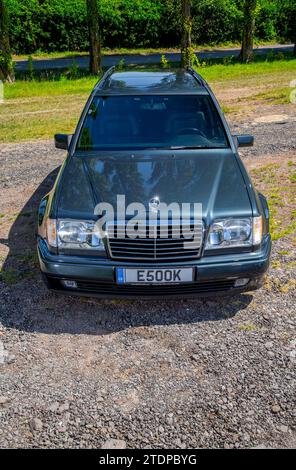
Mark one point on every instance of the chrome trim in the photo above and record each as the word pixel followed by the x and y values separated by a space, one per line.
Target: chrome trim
pixel 154 248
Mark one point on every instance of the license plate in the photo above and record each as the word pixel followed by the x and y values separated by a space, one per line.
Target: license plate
pixel 154 276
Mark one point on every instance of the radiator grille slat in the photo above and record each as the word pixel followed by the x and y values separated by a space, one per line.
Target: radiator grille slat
pixel 157 243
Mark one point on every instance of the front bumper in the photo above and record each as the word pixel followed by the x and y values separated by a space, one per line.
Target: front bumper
pixel 214 275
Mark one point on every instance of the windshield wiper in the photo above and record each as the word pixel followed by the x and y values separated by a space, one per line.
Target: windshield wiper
pixel 176 147
pixel 188 147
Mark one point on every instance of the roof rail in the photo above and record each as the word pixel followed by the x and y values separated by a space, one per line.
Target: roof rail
pixel 101 82
pixel 196 75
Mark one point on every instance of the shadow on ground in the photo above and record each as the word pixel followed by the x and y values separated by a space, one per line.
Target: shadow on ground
pixel 27 305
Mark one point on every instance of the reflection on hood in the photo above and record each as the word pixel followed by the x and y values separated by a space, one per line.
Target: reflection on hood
pixel 210 177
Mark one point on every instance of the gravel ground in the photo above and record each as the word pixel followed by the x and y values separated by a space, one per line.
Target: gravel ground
pixel 88 373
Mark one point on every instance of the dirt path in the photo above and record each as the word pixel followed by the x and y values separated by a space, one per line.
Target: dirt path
pixel 78 372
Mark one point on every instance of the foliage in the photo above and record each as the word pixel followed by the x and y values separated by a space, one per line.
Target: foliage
pixel 216 21
pixel 121 64
pixel 61 25
pixel 164 61
pixel 286 19
pixel 48 25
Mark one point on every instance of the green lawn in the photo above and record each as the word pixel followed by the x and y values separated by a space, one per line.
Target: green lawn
pixel 39 109
pixel 278 183
pixel 257 70
pixel 28 89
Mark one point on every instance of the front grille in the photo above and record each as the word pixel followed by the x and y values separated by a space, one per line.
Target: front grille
pixel 203 287
pixel 155 243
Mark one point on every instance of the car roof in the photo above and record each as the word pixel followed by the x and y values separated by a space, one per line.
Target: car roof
pixel 146 82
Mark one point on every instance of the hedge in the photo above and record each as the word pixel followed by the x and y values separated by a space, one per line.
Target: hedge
pixel 60 25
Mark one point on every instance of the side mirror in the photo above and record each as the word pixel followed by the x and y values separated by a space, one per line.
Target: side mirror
pixel 62 141
pixel 244 140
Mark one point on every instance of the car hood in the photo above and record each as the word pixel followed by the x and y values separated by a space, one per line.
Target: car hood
pixel 210 177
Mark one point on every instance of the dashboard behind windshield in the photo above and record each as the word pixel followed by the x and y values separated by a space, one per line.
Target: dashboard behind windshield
pixel 152 121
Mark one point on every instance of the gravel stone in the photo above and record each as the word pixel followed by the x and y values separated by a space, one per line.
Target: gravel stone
pixel 36 424
pixel 276 409
pixel 3 400
pixel 64 407
pixel 54 407
pixel 114 444
pixel 283 428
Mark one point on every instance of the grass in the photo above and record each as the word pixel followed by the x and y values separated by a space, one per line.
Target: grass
pixel 39 89
pixel 273 284
pixel 21 266
pixel 12 276
pixel 261 83
pixel 38 109
pixel 288 287
pixel 274 96
pixel 9 276
pixel 293 177
pixel 277 183
pixel 238 71
pixel 247 327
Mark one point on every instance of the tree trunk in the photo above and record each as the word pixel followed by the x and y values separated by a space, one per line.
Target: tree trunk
pixel 294 50
pixel 246 54
pixel 94 36
pixel 6 66
pixel 186 48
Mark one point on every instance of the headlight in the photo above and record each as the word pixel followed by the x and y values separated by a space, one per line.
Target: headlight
pixel 235 233
pixel 74 234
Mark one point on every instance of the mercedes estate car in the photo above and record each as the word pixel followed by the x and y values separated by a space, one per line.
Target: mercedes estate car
pixel 153 199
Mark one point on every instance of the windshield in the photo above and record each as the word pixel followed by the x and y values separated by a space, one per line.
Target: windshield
pixel 155 122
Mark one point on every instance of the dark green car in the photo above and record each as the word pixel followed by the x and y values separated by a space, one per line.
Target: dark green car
pixel 153 199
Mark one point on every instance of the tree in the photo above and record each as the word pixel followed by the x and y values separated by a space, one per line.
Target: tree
pixel 186 48
pixel 94 36
pixel 246 54
pixel 6 67
pixel 287 20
